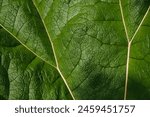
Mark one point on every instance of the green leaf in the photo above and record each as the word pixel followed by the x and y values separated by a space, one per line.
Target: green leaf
pixel 25 76
pixel 22 21
pixel 100 48
pixel 134 12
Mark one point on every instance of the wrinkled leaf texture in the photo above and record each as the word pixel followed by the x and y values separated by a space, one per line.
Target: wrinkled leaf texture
pixel 74 49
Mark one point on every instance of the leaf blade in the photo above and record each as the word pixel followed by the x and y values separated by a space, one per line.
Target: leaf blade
pixel 60 25
pixel 21 20
pixel 25 76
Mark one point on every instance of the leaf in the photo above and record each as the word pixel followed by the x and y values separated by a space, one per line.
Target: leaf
pixel 22 21
pixel 25 76
pixel 135 11
pixel 100 48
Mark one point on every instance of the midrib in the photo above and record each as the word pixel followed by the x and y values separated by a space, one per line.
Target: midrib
pixel 127 71
pixel 54 52
pixel 129 45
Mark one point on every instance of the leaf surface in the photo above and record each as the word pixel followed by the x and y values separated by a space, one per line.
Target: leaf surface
pixel 25 76
pixel 22 21
pixel 100 48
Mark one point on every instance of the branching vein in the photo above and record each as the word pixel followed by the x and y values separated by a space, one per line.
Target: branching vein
pixel 57 64
pixel 129 44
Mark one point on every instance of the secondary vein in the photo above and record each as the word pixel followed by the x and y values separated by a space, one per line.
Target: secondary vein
pixel 140 23
pixel 123 20
pixel 27 46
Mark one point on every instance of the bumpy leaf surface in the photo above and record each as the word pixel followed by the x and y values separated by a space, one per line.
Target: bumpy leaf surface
pixel 25 76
